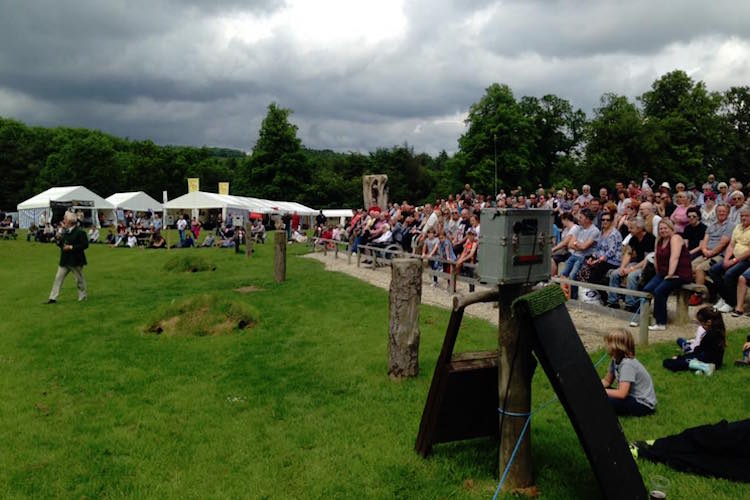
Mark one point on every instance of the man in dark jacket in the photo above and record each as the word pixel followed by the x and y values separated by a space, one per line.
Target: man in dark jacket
pixel 72 243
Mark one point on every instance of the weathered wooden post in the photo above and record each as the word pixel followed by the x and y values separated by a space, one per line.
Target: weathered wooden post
pixel 279 268
pixel 403 331
pixel 514 371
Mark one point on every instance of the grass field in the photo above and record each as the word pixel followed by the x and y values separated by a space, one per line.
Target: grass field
pixel 297 406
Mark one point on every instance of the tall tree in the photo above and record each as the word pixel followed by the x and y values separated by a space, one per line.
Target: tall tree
pixel 735 111
pixel 682 129
pixel 495 124
pixel 277 168
pixel 614 148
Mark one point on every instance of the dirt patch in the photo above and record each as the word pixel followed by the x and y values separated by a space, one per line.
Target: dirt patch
pixel 591 326
pixel 203 315
pixel 248 289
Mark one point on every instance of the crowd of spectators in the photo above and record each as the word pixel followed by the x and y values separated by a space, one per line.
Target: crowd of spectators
pixel 651 238
pixel 640 236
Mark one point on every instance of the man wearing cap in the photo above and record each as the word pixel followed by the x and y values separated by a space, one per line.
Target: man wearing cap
pixel 72 242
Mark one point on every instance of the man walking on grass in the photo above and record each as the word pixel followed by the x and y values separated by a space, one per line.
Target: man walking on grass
pixel 72 243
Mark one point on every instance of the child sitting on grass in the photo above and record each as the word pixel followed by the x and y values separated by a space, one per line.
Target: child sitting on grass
pixel 745 361
pixel 707 354
pixel 635 393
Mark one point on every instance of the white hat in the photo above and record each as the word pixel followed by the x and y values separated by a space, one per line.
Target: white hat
pixel 665 184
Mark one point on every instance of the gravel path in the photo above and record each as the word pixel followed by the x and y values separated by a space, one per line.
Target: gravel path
pixel 591 326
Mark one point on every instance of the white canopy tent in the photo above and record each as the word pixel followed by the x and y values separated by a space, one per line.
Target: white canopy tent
pixel 39 209
pixel 341 213
pixel 136 201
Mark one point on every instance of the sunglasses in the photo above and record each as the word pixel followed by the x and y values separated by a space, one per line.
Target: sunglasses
pixel 606 219
pixel 692 216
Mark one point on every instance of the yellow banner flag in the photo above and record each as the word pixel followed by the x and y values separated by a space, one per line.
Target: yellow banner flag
pixel 194 184
pixel 223 188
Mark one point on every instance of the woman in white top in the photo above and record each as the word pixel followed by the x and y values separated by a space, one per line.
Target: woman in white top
pixel 708 210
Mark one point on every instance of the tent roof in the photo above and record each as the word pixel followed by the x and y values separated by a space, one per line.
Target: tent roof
pixel 137 201
pixel 202 199
pixel 338 212
pixel 67 193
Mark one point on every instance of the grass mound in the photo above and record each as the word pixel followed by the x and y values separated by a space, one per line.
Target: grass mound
pixel 188 264
pixel 203 315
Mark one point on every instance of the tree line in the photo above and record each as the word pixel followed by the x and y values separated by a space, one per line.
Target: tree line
pixel 676 130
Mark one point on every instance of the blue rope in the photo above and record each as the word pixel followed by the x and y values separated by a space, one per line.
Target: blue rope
pixel 523 431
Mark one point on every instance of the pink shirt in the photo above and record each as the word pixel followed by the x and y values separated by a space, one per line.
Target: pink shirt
pixel 680 218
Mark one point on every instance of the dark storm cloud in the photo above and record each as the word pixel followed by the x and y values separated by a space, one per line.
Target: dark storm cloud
pixel 174 72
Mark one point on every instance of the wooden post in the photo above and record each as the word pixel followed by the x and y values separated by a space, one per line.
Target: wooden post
pixel 403 331
pixel 644 320
pixel 514 392
pixel 349 253
pixel 279 268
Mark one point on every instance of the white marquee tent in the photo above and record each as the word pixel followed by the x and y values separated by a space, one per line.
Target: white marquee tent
pixel 201 200
pixel 39 208
pixel 136 201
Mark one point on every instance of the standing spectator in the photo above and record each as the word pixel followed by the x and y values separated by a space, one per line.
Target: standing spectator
pixel 712 183
pixel 72 242
pixel 320 221
pixel 647 183
pixel 181 227
pixel 195 228
pixel 468 194
pixel 726 273
pixel 287 220
pixel 672 265
pixel 295 221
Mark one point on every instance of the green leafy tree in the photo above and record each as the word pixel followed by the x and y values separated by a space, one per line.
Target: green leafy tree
pixel 614 149
pixel 277 168
pixel 682 128
pixel 735 113
pixel 495 123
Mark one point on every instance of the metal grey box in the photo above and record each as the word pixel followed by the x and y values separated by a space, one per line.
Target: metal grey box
pixel 515 245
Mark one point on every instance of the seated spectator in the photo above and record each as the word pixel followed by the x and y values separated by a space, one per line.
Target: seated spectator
pixel 640 244
pixel 189 242
pixel 646 210
pixel 298 237
pixel 560 251
pixel 258 231
pixel 111 237
pixel 607 254
pixel 736 202
pixel 468 256
pixel 679 214
pixel 694 232
pixel 745 360
pixel 634 394
pixel 712 248
pixel 158 241
pixel 672 265
pixel 623 222
pixel 707 354
pixel 581 246
pixel 209 241
pixel 93 235
pixel 725 274
pixel 132 241
pixel 708 209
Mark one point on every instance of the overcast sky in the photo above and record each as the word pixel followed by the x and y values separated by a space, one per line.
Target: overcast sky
pixel 357 74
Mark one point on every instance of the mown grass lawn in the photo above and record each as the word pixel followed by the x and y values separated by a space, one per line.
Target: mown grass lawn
pixel 298 406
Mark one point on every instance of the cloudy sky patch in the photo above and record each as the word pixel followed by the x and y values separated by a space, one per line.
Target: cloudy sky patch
pixel 357 74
